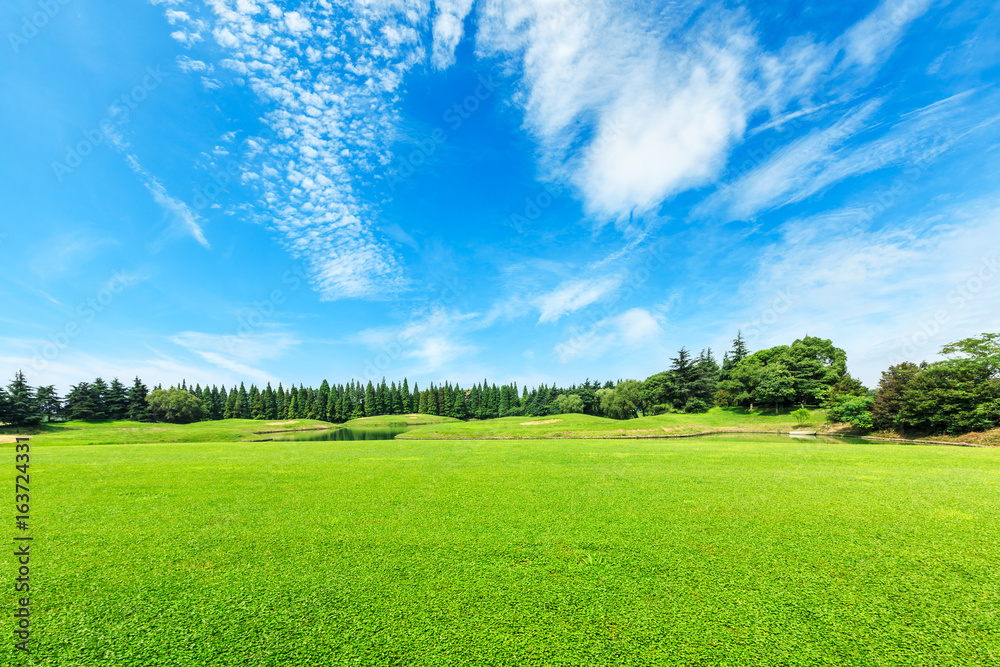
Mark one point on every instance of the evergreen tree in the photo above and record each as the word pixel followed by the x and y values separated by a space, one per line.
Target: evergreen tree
pixel 397 399
pixel 322 401
pixel 230 410
pixel 21 405
pixel 99 395
pixel 369 401
pixel 407 398
pixel 48 401
pixel 258 409
pixel 739 351
pixel 381 407
pixel 117 401
pixel 330 412
pixel 81 404
pixel 459 408
pixel 242 410
pixel 138 408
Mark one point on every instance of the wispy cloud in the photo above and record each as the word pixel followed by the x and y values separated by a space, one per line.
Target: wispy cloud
pixel 629 331
pixel 238 353
pixel 825 157
pixel 868 42
pixel 888 295
pixel 426 344
pixel 573 295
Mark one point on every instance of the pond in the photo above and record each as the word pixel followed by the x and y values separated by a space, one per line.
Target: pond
pixel 372 433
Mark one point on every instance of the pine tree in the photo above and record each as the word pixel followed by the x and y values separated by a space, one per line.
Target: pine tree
pixel 407 399
pixel 117 401
pixel 230 411
pixel 504 401
pixel 21 406
pixel 740 350
pixel 242 410
pixel 99 396
pixel 138 408
pixel 380 399
pixel 397 399
pixel 48 401
pixel 322 401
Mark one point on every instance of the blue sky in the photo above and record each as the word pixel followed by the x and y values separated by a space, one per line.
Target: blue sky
pixel 523 191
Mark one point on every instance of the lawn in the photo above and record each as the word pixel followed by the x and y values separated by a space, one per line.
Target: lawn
pixel 587 426
pixel 513 552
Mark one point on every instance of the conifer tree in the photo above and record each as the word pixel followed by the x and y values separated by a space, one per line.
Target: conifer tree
pixel 117 401
pixel 20 405
pixel 48 402
pixel 407 399
pixel 242 403
pixel 369 400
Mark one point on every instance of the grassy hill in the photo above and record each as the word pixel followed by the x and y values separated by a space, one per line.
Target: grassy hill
pixel 587 426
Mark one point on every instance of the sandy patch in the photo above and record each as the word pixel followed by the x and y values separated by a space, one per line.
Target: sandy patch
pixel 290 421
pixel 541 421
pixel 5 439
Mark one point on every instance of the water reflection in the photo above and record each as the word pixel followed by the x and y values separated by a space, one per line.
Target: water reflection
pixel 375 433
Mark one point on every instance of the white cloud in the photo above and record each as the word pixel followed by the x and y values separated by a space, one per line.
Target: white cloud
pixel 188 65
pixel 869 41
pixel 574 294
pixel 427 344
pixel 296 22
pixel 240 352
pixel 666 100
pixel 182 219
pixel 448 30
pixel 825 157
pixel 885 296
pixel 328 82
pixel 633 329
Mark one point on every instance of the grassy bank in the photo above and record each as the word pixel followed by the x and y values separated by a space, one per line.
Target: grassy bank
pixel 125 432
pixel 587 426
pixel 630 552
pixel 398 420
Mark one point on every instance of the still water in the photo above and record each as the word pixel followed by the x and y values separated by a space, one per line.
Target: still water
pixel 376 433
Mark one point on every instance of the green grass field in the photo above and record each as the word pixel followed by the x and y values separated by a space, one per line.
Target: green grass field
pixel 699 551
pixel 587 426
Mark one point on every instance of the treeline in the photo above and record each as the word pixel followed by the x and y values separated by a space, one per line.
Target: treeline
pixel 954 396
pixel 957 395
pixel 102 401
pixel 807 372
pixel 798 373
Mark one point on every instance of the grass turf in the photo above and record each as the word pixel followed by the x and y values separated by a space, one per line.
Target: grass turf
pixel 587 426
pixel 628 552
